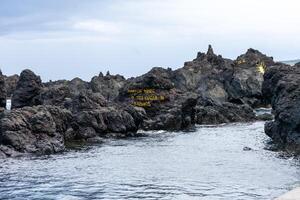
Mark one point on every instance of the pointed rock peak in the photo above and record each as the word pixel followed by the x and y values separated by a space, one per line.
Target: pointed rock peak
pixel 210 51
pixel 107 73
pixel 27 74
pixel 252 50
pixel 100 74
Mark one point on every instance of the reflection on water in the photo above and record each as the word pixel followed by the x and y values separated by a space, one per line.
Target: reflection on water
pixel 207 164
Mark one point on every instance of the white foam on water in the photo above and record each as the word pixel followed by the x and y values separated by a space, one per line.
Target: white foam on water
pixel 8 104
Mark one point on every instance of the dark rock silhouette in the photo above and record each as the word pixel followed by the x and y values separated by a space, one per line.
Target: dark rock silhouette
pixel 281 88
pixel 11 84
pixel 59 93
pixel 38 130
pixel 3 93
pixel 246 83
pixel 207 81
pixel 28 88
pixel 207 90
pixel 108 85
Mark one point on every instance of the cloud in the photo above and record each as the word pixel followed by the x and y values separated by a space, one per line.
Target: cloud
pixel 98 26
pixel 81 36
pixel 155 19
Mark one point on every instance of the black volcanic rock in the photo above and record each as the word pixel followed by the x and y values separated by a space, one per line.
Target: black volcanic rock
pixel 85 100
pixel 3 93
pixel 207 90
pixel 224 113
pixel 103 121
pixel 11 84
pixel 281 88
pixel 59 93
pixel 28 88
pixel 108 85
pixel 196 93
pixel 246 83
pixel 46 129
pixel 205 75
pixel 38 130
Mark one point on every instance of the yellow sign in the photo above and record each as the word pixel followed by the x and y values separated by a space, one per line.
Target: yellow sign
pixel 144 97
pixel 261 67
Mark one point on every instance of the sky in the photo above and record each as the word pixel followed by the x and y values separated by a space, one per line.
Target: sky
pixel 63 39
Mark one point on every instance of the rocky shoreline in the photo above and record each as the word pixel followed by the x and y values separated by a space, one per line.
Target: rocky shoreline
pixel 208 90
pixel 282 89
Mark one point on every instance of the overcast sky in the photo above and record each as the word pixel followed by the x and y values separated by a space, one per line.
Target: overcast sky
pixel 77 38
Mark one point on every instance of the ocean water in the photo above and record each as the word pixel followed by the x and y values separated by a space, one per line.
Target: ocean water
pixel 215 162
pixel 291 62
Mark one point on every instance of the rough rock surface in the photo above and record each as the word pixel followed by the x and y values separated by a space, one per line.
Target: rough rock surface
pixel 103 121
pixel 38 130
pixel 59 93
pixel 11 84
pixel 208 90
pixel 46 129
pixel 246 83
pixel 281 88
pixel 197 93
pixel 3 93
pixel 28 88
pixel 108 85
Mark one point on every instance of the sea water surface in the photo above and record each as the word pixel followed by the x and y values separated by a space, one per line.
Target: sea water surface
pixel 210 163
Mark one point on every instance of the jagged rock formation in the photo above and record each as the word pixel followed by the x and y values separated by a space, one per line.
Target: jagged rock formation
pixel 207 90
pixel 281 88
pixel 28 88
pixel 3 93
pixel 46 129
pixel 203 84
pixel 59 93
pixel 246 83
pixel 38 130
pixel 108 85
pixel 11 84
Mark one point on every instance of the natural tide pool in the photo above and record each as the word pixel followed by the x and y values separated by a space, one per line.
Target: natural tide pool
pixel 211 163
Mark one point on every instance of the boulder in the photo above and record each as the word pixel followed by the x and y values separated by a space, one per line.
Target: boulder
pixel 106 120
pixel 59 92
pixel 205 75
pixel 245 85
pixel 38 129
pixel 281 88
pixel 85 101
pixel 28 88
pixel 224 113
pixel 108 85
pixel 11 84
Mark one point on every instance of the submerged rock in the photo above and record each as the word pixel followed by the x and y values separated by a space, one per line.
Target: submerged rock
pixel 265 117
